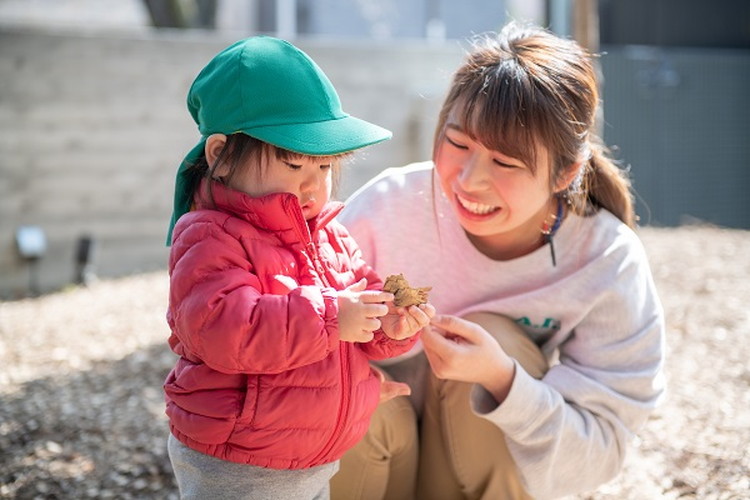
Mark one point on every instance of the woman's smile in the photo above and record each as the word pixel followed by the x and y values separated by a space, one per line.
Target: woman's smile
pixel 476 208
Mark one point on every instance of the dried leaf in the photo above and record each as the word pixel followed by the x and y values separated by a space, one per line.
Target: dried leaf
pixel 405 295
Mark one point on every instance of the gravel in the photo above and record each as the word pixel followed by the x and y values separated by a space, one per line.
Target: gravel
pixel 82 412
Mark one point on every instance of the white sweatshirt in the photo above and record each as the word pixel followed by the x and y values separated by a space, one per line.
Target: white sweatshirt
pixel 596 316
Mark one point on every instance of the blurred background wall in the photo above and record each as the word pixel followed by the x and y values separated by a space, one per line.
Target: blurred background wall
pixel 93 121
pixel 93 129
pixel 677 105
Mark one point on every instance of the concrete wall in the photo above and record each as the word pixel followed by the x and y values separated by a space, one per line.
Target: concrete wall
pixel 92 128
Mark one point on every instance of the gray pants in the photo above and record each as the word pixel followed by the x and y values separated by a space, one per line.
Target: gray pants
pixel 201 476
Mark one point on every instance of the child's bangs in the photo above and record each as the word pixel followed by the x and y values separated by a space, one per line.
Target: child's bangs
pixel 285 154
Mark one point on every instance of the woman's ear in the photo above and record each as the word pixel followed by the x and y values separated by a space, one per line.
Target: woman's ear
pixel 214 145
pixel 567 177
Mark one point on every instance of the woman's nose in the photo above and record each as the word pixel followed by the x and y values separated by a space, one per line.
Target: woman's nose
pixel 473 173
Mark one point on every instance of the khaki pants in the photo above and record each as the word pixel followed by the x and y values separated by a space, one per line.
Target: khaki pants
pixel 454 456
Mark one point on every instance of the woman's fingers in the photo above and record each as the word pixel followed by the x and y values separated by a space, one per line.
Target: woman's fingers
pixel 435 342
pixel 450 323
pixel 437 350
pixel 456 326
pixel 452 346
pixel 462 350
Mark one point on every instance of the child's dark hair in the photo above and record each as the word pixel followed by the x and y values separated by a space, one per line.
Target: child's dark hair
pixel 526 86
pixel 238 149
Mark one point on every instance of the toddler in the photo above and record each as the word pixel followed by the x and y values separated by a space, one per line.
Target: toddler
pixel 273 312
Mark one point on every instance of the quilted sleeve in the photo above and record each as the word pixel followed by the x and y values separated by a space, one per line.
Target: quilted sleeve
pixel 219 315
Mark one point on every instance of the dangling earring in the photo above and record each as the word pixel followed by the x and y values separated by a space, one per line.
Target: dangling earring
pixel 548 231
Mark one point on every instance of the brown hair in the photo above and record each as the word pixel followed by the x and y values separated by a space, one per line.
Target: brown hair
pixel 527 86
pixel 241 147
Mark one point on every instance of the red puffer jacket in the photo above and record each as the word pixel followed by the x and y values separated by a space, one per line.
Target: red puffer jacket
pixel 262 377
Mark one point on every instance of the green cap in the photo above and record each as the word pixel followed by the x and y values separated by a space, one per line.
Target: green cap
pixel 269 89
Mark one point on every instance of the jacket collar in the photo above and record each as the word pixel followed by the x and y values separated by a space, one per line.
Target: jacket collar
pixel 278 212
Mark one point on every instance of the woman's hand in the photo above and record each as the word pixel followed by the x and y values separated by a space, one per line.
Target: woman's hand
pixel 464 351
pixel 403 322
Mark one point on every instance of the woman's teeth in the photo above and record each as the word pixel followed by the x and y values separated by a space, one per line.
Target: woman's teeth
pixel 476 208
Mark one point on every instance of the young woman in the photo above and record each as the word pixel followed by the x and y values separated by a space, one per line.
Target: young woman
pixel 546 354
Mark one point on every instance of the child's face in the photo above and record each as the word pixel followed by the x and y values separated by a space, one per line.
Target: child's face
pixel 499 200
pixel 309 178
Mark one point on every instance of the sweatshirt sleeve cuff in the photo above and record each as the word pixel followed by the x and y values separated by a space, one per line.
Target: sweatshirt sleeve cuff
pixel 518 410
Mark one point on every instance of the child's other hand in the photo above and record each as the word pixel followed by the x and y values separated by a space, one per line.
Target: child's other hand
pixel 360 310
pixel 390 389
pixel 404 322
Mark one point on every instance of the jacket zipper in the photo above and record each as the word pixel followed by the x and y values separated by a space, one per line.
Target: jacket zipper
pixel 344 365
pixel 343 409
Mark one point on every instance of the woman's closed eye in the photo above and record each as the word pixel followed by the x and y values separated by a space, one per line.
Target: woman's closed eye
pixel 505 164
pixel 455 144
pixel 500 161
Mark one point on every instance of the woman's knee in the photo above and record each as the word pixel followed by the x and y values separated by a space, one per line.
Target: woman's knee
pixel 514 341
pixel 497 325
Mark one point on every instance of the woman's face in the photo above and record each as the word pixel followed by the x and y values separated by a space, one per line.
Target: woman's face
pixel 501 202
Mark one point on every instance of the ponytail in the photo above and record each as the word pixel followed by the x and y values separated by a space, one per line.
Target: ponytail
pixel 608 186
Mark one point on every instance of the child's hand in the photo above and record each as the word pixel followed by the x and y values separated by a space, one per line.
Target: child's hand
pixel 389 388
pixel 403 322
pixel 359 310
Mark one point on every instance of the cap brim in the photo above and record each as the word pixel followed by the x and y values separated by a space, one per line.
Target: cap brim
pixel 324 138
